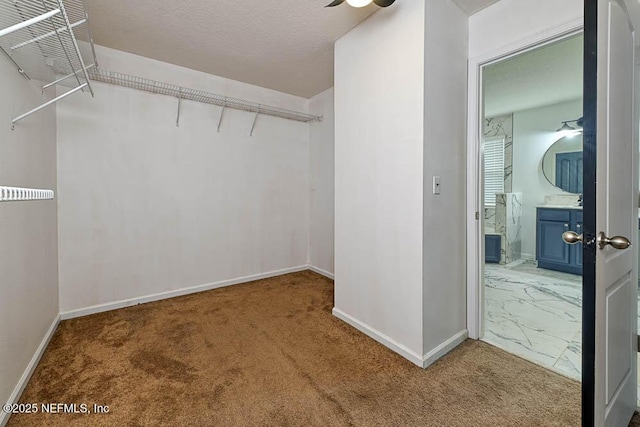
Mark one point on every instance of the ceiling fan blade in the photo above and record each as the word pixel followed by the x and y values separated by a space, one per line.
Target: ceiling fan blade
pixel 335 3
pixel 384 3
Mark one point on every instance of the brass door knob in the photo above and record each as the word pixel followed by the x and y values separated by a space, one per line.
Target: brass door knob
pixel 571 237
pixel 617 242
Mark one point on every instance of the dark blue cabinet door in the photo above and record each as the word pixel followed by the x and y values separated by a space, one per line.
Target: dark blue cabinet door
pixel 551 247
pixel 551 251
pixel 491 248
pixel 576 260
pixel 576 224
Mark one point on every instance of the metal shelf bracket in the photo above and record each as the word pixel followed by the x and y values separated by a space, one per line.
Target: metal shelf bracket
pixel 178 115
pixel 255 119
pixel 221 116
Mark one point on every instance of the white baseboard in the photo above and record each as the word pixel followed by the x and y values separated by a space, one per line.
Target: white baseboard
pixel 325 273
pixel 516 263
pixel 527 257
pixel 444 348
pixel 26 376
pixel 388 342
pixel 422 361
pixel 178 292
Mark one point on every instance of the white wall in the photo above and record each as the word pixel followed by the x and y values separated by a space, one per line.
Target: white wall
pixel 28 246
pixel 322 182
pixel 509 21
pixel 444 258
pixel 379 113
pixel 146 207
pixel 533 134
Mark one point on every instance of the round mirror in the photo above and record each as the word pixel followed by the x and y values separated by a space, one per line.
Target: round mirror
pixel 562 164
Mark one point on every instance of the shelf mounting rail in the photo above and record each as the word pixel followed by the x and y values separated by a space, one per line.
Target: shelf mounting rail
pixel 48 41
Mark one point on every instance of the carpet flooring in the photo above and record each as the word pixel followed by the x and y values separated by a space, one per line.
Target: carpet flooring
pixel 270 353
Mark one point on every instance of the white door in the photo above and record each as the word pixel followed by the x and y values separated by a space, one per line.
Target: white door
pixel 615 203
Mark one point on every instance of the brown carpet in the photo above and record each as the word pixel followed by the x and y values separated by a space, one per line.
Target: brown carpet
pixel 270 353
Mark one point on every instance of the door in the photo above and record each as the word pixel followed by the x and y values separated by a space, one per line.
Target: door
pixel 551 250
pixel 610 207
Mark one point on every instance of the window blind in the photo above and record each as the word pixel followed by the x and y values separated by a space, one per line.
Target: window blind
pixel 493 169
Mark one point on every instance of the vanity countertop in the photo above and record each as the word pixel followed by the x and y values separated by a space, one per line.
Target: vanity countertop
pixel 559 207
pixel 569 207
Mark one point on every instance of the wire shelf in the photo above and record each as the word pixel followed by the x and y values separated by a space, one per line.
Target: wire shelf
pixel 179 92
pixel 49 41
pixel 19 194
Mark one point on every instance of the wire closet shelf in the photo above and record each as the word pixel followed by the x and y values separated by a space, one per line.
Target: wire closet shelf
pixel 48 41
pixel 105 76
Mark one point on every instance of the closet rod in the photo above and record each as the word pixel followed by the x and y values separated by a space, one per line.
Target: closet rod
pixel 46 104
pixel 147 85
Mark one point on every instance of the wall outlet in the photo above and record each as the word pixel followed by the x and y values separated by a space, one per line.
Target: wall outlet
pixel 436 185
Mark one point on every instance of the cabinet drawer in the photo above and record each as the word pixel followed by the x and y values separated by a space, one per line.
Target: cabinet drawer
pixel 551 247
pixel 554 215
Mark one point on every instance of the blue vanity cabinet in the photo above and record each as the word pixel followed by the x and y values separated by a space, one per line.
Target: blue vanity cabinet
pixel 551 251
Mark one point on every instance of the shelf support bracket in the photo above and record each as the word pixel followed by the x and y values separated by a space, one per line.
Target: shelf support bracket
pixel 20 70
pixel 178 116
pixel 221 115
pixel 83 67
pixel 255 119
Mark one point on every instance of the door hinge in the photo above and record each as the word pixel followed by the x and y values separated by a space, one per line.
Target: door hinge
pixel 638 342
pixel 477 215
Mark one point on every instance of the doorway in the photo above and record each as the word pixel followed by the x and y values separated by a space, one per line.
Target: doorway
pixel 609 339
pixel 532 185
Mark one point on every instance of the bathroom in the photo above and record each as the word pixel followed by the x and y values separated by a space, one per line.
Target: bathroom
pixel 532 169
pixel 532 194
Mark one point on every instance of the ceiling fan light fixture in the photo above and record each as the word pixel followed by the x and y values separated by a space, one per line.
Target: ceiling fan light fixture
pixel 358 3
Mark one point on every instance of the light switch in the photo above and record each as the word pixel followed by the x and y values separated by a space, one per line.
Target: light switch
pixel 436 185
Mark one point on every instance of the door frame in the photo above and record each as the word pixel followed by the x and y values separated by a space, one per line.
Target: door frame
pixel 475 228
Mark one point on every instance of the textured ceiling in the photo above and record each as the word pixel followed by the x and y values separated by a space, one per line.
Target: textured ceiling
pixel 286 45
pixel 544 76
pixel 473 6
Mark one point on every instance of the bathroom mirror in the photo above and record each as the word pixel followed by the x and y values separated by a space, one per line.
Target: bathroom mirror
pixel 562 164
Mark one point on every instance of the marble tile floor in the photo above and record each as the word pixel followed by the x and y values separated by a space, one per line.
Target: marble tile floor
pixel 536 314
pixel 537 317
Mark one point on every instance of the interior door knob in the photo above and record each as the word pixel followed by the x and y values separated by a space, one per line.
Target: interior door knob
pixel 571 237
pixel 617 242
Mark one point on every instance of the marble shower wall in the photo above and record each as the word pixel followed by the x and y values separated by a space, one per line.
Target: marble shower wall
pixel 508 222
pixel 503 126
pixel 490 218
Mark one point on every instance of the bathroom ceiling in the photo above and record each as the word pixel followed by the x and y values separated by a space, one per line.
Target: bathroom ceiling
pixel 544 76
